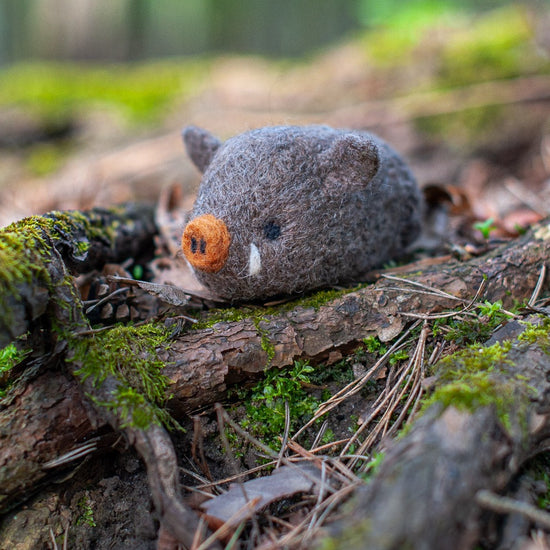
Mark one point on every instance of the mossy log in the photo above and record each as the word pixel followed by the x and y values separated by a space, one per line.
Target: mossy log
pixel 39 253
pixel 202 363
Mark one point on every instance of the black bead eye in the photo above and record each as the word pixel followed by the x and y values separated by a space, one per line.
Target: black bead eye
pixel 272 231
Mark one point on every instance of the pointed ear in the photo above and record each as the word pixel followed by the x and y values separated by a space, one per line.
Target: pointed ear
pixel 201 146
pixel 352 160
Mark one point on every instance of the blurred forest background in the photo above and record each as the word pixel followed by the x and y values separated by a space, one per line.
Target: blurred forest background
pixel 130 30
pixel 93 93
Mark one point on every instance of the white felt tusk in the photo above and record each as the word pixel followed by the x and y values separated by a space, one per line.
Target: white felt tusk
pixel 254 260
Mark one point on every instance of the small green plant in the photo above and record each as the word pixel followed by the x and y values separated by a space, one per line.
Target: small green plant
pixel 400 355
pixel 328 437
pixel 473 329
pixel 86 516
pixel 490 309
pixel 9 357
pixel 373 345
pixel 265 406
pixel 372 466
pixel 486 227
pixel 137 272
pixel 233 441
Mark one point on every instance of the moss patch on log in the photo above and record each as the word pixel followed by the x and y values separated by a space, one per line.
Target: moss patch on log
pixel 241 313
pixel 537 335
pixel 480 376
pixel 130 355
pixel 24 250
pixel 260 314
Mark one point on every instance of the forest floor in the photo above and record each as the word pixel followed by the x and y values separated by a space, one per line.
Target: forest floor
pixel 465 100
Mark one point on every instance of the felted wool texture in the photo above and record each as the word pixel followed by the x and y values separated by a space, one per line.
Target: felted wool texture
pixel 320 206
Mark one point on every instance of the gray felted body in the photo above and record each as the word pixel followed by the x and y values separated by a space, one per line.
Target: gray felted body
pixel 306 207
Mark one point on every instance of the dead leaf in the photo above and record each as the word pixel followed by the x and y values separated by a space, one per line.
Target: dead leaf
pixel 286 481
pixel 167 293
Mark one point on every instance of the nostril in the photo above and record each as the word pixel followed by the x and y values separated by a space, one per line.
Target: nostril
pixel 200 246
pixel 205 243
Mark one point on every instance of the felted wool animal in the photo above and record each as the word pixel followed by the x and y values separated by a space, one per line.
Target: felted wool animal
pixel 285 209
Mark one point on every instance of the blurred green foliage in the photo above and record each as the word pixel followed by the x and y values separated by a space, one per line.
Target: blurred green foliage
pixel 412 14
pixel 466 48
pixel 498 45
pixel 45 158
pixel 142 92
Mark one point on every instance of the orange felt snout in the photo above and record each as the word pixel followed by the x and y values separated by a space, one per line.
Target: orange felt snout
pixel 205 243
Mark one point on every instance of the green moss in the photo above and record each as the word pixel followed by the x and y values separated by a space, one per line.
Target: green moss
pixel 319 298
pixel 233 314
pixel 265 342
pixel 472 360
pixel 473 391
pixel 26 248
pixel 537 335
pixel 265 403
pixel 127 353
pixel 130 354
pixel 494 46
pixel 224 315
pixel 399 28
pixel 10 356
pixel 473 378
